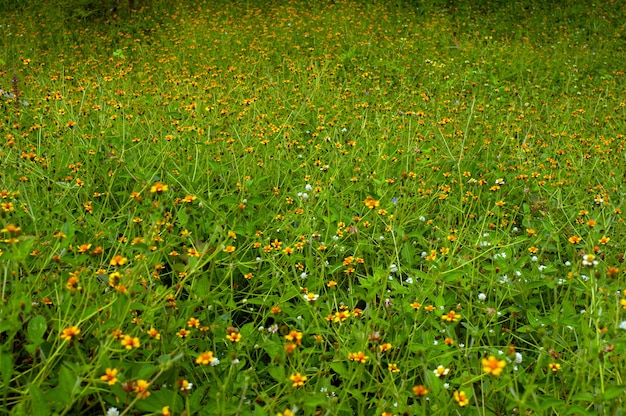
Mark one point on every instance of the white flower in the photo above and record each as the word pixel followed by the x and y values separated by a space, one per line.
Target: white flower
pixel 446 386
pixel 518 358
pixel 422 218
pixel 235 361
pixel 113 412
pixel 622 325
pixel 215 361
pixel 409 280
pixel 441 371
pixel 393 268
pixel 589 260
pixel 308 187
pixel 311 297
pixel 303 275
pixel 482 296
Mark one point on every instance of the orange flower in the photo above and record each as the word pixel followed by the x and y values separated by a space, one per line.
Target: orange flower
pixel 493 366
pixel 420 390
pixel 141 388
pixel 234 337
pixel 158 188
pixel 118 260
pixel 129 342
pixel 461 398
pixel 110 376
pixel 554 367
pixel 451 316
pixel 358 357
pixel 371 203
pixel 205 358
pixel 298 379
pixel 70 332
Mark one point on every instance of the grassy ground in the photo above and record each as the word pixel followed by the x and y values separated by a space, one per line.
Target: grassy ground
pixel 329 208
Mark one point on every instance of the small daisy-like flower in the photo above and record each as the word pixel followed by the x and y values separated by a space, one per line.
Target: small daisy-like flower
pixel 461 398
pixel 311 297
pixel 294 336
pixel 554 367
pixel 205 358
pixel 141 388
pixel 493 366
pixel 451 316
pixel 110 376
pixel 287 412
pixel 158 188
pixel 185 385
pixel 385 347
pixel 420 390
pixel 129 342
pixel 393 368
pixel 589 260
pixel 233 337
pixel 118 260
pixel 153 333
pixel 371 203
pixel 70 332
pixel 575 239
pixel 229 249
pixel 358 357
pixel 112 411
pixel 298 379
pixel 193 323
pixel 441 371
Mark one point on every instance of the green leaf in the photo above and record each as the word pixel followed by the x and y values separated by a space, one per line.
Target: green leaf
pixel 547 402
pixel 6 367
pixel 68 382
pixel 36 329
pixel 613 392
pixel 340 369
pixel 201 288
pixel 39 403
pixel 277 372
pixel 577 410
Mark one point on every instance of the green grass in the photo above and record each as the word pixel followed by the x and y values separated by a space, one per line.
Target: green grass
pixel 352 192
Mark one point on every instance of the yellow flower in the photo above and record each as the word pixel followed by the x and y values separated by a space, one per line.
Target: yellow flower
pixel 129 342
pixel 358 357
pixel 118 260
pixel 420 390
pixel 70 332
pixel 451 316
pixel 461 398
pixel 158 188
pixel 371 203
pixel 110 376
pixel 205 358
pixel 298 379
pixel 234 337
pixel 554 367
pixel 493 366
pixel 141 388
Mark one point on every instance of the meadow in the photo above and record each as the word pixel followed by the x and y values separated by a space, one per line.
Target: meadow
pixel 314 208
